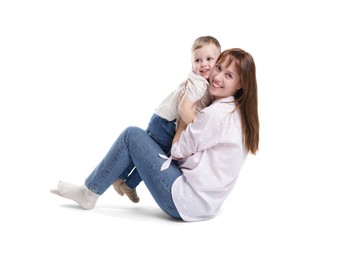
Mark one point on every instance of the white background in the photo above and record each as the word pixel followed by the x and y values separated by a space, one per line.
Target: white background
pixel 74 74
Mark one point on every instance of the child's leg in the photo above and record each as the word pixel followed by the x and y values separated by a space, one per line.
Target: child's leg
pixel 122 178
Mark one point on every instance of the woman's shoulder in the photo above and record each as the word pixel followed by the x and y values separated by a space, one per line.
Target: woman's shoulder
pixel 224 105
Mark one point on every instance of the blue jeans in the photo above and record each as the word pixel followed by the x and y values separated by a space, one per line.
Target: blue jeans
pixel 162 132
pixel 134 145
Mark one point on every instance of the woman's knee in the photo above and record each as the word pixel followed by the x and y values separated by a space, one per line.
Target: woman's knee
pixel 133 133
pixel 133 130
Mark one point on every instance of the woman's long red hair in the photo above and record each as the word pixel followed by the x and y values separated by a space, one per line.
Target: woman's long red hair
pixel 246 97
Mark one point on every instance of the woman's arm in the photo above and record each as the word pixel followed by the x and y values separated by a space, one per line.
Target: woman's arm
pixel 187 109
pixel 180 128
pixel 203 133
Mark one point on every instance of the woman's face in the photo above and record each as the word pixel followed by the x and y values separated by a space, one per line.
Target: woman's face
pixel 224 80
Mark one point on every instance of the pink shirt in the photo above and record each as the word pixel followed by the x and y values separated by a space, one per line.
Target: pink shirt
pixel 213 154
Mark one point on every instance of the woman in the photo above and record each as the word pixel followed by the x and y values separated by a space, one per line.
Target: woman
pixel 208 154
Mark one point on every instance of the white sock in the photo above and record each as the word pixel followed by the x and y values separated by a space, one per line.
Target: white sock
pixel 80 194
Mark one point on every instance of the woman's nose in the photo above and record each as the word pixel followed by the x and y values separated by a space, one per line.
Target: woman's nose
pixel 217 77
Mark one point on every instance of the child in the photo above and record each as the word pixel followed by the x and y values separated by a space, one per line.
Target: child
pixel 182 104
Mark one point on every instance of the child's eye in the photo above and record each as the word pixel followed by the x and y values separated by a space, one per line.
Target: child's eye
pixel 218 67
pixel 197 60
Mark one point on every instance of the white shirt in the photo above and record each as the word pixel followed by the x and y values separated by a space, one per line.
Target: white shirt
pixel 213 153
pixel 196 89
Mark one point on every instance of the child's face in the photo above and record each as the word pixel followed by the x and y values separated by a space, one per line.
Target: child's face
pixel 224 81
pixel 203 60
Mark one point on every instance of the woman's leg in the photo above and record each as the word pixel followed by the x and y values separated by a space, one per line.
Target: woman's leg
pixel 162 132
pixel 135 145
pixel 145 155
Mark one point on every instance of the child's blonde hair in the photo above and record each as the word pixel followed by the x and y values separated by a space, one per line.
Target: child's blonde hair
pixel 205 40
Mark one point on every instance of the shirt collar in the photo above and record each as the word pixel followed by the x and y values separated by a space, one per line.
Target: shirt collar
pixel 225 100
